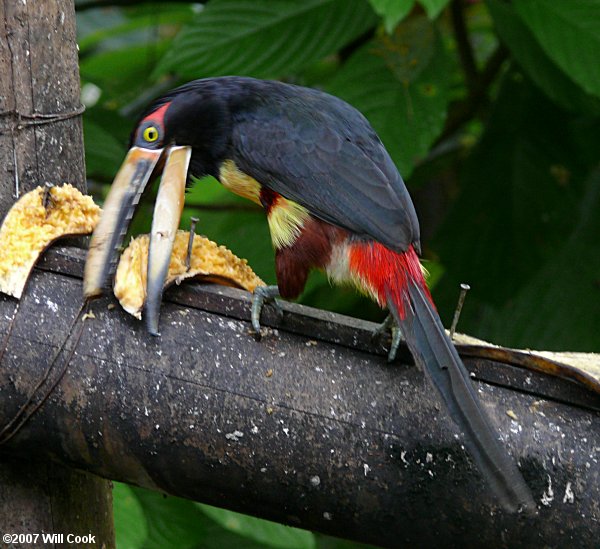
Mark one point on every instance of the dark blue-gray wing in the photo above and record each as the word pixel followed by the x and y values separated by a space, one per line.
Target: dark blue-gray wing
pixel 320 152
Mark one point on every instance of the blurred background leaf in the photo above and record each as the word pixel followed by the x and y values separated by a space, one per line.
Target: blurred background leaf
pixel 150 520
pixel 560 289
pixel 401 84
pixel 532 59
pixel 569 33
pixel 433 7
pixel 262 38
pixel 264 532
pixel 392 11
pixel 522 185
pixel 131 528
pixel 490 110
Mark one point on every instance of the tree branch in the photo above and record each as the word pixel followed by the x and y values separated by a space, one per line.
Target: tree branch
pixel 465 50
pixel 310 427
pixel 464 111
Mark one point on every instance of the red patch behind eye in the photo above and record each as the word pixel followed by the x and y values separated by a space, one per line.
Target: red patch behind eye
pixel 158 116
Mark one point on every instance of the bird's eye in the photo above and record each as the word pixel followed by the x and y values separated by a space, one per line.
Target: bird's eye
pixel 150 134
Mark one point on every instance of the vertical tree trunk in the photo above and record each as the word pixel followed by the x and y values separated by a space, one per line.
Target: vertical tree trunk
pixel 41 141
pixel 41 138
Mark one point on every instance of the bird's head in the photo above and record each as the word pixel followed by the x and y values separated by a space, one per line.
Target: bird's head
pixel 198 119
pixel 186 130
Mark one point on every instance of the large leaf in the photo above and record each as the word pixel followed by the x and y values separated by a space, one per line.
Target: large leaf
pixel 132 64
pixel 270 534
pixel 106 135
pixel 569 32
pixel 559 309
pixel 110 29
pixel 175 523
pixel 401 84
pixel 521 197
pixel 433 7
pixel 233 222
pixel 93 21
pixel 263 38
pixel 103 153
pixel 131 529
pixel 392 11
pixel 532 58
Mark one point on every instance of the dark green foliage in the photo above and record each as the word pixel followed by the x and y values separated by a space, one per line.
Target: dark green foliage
pixel 149 520
pixel 262 38
pixel 500 119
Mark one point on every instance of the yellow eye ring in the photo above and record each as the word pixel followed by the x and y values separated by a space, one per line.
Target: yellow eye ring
pixel 150 134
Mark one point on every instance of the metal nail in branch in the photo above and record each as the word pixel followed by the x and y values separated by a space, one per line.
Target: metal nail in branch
pixel 188 257
pixel 464 288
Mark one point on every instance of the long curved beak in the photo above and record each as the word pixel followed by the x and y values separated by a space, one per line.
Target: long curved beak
pixel 123 197
pixel 165 222
pixel 129 184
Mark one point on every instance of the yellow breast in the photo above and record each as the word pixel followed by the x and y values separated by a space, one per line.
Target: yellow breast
pixel 286 219
pixel 233 179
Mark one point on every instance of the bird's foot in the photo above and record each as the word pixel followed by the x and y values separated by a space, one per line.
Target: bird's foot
pixel 262 295
pixel 396 339
pixel 382 330
pixel 389 325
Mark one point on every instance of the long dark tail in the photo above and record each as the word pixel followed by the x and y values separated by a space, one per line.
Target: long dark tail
pixel 433 350
pixel 396 279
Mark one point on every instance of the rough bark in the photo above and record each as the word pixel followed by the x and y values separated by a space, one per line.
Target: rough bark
pixel 39 495
pixel 310 427
pixel 41 138
pixel 41 142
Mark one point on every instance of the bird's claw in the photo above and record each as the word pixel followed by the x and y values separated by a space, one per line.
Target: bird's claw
pixel 382 330
pixel 388 325
pixel 396 339
pixel 262 295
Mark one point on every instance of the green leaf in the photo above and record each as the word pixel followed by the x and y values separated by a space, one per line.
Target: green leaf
pixel 175 523
pixel 262 531
pixel 401 84
pixel 233 222
pixel 106 29
pixel 569 32
pixel 263 38
pixel 521 195
pixel 103 153
pixel 93 21
pixel 392 11
pixel 133 66
pixel 106 135
pixel 433 7
pixel 559 308
pixel 532 59
pixel 130 523
pixel 207 191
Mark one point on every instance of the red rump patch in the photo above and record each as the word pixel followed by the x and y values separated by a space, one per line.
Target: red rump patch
pixel 387 273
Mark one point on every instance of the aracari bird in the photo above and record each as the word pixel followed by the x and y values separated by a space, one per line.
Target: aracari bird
pixel 334 201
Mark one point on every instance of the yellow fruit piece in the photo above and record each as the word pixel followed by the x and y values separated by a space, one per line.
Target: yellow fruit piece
pixel 33 223
pixel 209 262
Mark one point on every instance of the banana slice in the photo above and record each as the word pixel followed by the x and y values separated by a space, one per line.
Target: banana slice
pixel 33 223
pixel 208 261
